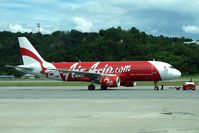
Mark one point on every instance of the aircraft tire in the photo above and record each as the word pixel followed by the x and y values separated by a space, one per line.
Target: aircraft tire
pixel 91 87
pixel 156 88
pixel 103 88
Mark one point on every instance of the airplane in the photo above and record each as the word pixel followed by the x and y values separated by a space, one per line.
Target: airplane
pixel 107 74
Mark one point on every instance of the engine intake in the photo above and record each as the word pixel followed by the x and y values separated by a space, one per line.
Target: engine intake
pixel 110 81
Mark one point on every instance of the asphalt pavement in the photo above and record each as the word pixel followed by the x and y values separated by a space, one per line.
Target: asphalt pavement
pixel 77 110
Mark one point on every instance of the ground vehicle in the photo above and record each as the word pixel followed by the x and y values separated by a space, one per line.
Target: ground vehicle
pixel 189 86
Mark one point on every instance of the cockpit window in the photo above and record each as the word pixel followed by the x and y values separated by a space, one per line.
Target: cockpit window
pixel 172 67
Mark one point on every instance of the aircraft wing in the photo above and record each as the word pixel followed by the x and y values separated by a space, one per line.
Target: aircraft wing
pixel 91 75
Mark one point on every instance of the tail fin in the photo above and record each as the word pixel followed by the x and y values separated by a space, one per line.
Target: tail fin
pixel 28 52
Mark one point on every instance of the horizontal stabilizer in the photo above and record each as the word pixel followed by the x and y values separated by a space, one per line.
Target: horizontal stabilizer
pixel 25 68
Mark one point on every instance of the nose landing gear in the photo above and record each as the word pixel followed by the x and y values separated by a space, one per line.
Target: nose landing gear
pixel 156 86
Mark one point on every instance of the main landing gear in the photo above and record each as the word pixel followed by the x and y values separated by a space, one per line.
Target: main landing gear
pixel 156 86
pixel 103 88
pixel 92 87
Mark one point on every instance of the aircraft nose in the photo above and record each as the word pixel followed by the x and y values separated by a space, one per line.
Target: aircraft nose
pixel 177 73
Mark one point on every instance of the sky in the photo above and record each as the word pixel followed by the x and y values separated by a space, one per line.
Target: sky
pixel 173 18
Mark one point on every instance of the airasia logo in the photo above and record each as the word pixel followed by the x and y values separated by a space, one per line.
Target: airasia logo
pixel 108 82
pixel 96 68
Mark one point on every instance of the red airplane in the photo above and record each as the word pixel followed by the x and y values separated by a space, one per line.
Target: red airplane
pixel 107 74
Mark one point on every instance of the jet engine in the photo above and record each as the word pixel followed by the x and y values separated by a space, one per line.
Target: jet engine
pixel 110 81
pixel 128 83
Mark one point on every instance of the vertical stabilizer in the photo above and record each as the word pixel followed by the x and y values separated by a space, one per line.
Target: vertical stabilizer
pixel 28 52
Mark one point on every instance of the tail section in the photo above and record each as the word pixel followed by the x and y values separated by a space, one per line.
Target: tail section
pixel 28 52
pixel 31 57
pixel 33 63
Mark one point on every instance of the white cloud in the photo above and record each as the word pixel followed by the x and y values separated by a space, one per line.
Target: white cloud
pixel 42 30
pixel 164 16
pixel 82 24
pixel 18 28
pixel 191 29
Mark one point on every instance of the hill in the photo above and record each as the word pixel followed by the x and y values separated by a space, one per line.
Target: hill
pixel 114 44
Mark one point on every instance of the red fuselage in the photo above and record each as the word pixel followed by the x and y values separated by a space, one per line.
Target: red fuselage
pixel 107 74
pixel 126 70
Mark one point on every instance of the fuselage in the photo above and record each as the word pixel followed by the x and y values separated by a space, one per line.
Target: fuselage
pixel 127 70
pixel 108 74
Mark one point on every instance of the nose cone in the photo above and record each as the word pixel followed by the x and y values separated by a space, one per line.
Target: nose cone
pixel 176 74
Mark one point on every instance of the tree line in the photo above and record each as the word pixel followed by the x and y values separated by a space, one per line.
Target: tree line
pixel 113 44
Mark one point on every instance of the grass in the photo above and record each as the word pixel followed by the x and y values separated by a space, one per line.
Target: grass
pixel 44 82
pixel 196 77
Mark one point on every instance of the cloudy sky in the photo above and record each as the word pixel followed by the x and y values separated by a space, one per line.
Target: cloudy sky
pixel 168 17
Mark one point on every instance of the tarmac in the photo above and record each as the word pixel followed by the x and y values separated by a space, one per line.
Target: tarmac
pixel 77 110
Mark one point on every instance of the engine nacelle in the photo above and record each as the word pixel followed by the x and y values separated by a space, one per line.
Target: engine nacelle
pixel 110 81
pixel 128 83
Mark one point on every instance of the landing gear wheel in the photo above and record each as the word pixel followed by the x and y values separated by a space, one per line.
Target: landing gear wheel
pixel 162 86
pixel 103 88
pixel 156 88
pixel 91 87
